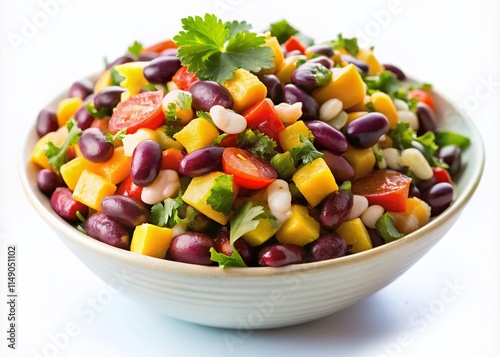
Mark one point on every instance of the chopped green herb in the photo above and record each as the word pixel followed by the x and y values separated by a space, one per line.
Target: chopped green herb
pixel 385 227
pixel 110 138
pixel 385 82
pixel 227 261
pixel 244 220
pixel 116 78
pixel 206 116
pixel 282 30
pixel 221 196
pixel 284 165
pixel 150 87
pixel 184 100
pixel 257 143
pixel 166 213
pixel 218 140
pixel 305 153
pixel 348 44
pixel 101 113
pixel 444 138
pixel 171 113
pixel 135 49
pixel 58 155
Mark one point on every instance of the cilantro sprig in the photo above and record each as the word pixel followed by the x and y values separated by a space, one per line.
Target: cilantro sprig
pixel 221 195
pixel 306 152
pixel 214 50
pixel 58 155
pixel 348 44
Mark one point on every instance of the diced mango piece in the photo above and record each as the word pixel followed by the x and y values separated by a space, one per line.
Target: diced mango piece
pixel 151 240
pixel 300 228
pixel 278 58
pixel 383 103
pixel 361 106
pixel 67 109
pixel 103 81
pixel 288 65
pixel 355 233
pixel 416 215
pixel 246 89
pixel 367 56
pixel 197 134
pixel 38 153
pixel 198 192
pixel 354 115
pixel 362 160
pixel 134 78
pixel 91 189
pixel 264 230
pixel 315 181
pixel 290 137
pixel 72 170
pixel 346 85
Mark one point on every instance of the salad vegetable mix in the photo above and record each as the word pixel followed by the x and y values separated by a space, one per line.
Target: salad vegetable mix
pixel 223 146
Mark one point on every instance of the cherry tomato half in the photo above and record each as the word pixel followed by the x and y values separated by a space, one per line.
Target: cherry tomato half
pixel 143 110
pixel 130 189
pixel 422 96
pixel 183 79
pixel 248 170
pixel 386 188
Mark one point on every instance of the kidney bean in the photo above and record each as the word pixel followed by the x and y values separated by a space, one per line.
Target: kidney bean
pixel 48 180
pixel 46 122
pixel 101 227
pixel 277 255
pixel 341 169
pixel 202 161
pixel 452 156
pixel 311 75
pixel 328 246
pixel 108 97
pixel 424 185
pixel 396 71
pixel 146 163
pixel 365 131
pixel 325 61
pixel 439 197
pixel 327 137
pixel 321 50
pixel 65 205
pixel 124 210
pixel 375 238
pixel 336 208
pixel 83 118
pixel 81 89
pixel 357 62
pixel 161 69
pixel 121 60
pixel 274 87
pixel 206 94
pixel 293 94
pixel 245 250
pixel 94 147
pixel 426 119
pixel 192 248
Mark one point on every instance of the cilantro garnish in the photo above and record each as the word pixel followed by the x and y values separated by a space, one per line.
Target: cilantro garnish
pixel 135 49
pixel 214 50
pixel 221 195
pixel 166 213
pixel 218 140
pixel 204 115
pixel 184 100
pixel 282 30
pixel 385 82
pixel 58 155
pixel 257 143
pixel 348 44
pixel 110 138
pixel 306 152
pixel 116 78
pixel 171 113
pixel 101 113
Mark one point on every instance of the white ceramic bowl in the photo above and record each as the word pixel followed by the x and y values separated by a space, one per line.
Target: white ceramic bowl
pixel 256 298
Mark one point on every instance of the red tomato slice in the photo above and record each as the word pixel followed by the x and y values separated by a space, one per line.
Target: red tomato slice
pixel 422 96
pixel 183 79
pixel 441 175
pixel 171 158
pixel 130 189
pixel 160 47
pixel 386 188
pixel 248 170
pixel 143 110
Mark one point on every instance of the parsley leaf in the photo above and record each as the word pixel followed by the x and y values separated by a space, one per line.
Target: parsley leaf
pixel 135 49
pixel 306 152
pixel 214 50
pixel 166 213
pixel 116 78
pixel 101 113
pixel 58 155
pixel 171 113
pixel 110 138
pixel 219 139
pixel 348 44
pixel 385 82
pixel 282 30
pixel 206 116
pixel 221 196
pixel 226 261
pixel 257 143
pixel 244 220
pixel 184 100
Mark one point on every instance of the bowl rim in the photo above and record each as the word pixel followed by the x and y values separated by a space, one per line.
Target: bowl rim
pixel 35 198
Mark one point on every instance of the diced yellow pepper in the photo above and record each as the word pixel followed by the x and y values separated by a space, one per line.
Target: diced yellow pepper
pixel 116 169
pixel 38 154
pixel 103 81
pixel 278 58
pixel 72 170
pixel 416 215
pixel 383 103
pixel 198 192
pixel 315 181
pixel 290 137
pixel 246 89
pixel 346 85
pixel 362 160
pixel 300 228
pixel 67 109
pixel 134 78
pixel 151 240
pixel 355 233
pixel 91 189
pixel 367 56
pixel 288 65
pixel 264 230
pixel 197 134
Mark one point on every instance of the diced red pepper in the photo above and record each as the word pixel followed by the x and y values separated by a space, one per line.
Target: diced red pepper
pixel 441 175
pixel 263 117
pixel 230 140
pixel 294 44
pixel 171 158
pixel 130 189
pixel 183 79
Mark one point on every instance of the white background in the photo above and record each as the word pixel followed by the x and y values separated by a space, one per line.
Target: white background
pixel 454 45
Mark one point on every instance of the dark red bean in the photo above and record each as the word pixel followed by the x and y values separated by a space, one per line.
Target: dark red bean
pixel 426 119
pixel 170 52
pixel 424 185
pixel 148 56
pixel 335 209
pixel 65 205
pixel 357 62
pixel 108 97
pixel 192 248
pixel 46 122
pixel 146 163
pixel 325 61
pixel 274 87
pixel 120 60
pixel 375 238
pixel 94 147
pixel 328 246
pixel 452 156
pixel 206 94
pixel 311 75
pixel 414 192
pixel 48 180
pixel 327 137
pixel 366 131
pixel 321 50
pixel 341 169
pixel 83 118
pixel 277 255
pixel 101 227
pixel 439 197
pixel 81 89
pixel 125 210
pixel 396 71
pixel 161 69
pixel 222 245
pixel 202 161
pixel 293 94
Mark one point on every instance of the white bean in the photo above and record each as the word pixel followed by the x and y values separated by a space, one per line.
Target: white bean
pixel 392 156
pixel 371 215
pixel 227 120
pixel 171 97
pixel 400 104
pixel 416 162
pixel 409 117
pixel 176 230
pixel 279 200
pixel 359 205
pixel 381 163
pixel 330 109
pixel 289 113
pixel 166 185
pixel 339 121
